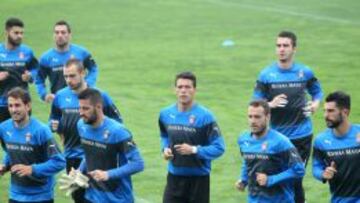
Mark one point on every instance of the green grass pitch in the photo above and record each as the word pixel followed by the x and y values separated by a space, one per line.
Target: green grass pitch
pixel 140 45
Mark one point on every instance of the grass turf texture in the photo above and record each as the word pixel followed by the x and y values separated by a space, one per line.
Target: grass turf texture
pixel 140 46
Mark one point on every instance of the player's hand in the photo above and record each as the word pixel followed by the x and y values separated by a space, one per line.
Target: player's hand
pixel 239 185
pixel 168 155
pixel 26 76
pixel 99 175
pixel 3 169
pixel 49 98
pixel 261 178
pixel 311 107
pixel 279 101
pixel 330 171
pixel 21 170
pixel 184 149
pixel 3 75
pixel 54 125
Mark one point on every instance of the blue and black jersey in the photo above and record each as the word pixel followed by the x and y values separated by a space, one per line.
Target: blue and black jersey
pixel 32 145
pixel 274 155
pixel 344 150
pixel 65 109
pixel 15 62
pixel 109 147
pixel 52 63
pixel 295 82
pixel 196 127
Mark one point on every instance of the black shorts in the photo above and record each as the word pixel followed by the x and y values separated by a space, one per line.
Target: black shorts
pixel 72 163
pixel 4 113
pixel 303 145
pixel 187 189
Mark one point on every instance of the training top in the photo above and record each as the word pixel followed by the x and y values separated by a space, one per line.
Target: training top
pixel 15 62
pixel 274 155
pixel 109 147
pixel 65 109
pixel 32 145
pixel 52 63
pixel 196 127
pixel 295 83
pixel 344 151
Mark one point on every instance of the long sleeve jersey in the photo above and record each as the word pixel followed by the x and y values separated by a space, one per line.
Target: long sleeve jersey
pixel 196 127
pixel 295 82
pixel 32 145
pixel 344 151
pixel 65 109
pixel 52 63
pixel 16 62
pixel 110 147
pixel 274 155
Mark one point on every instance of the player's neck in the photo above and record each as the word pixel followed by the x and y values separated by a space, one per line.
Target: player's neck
pixel 62 48
pixel 261 134
pixel 285 64
pixel 182 107
pixel 10 46
pixel 81 88
pixel 342 129
pixel 99 121
pixel 22 123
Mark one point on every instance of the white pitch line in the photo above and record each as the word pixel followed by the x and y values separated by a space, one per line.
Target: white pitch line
pixel 288 12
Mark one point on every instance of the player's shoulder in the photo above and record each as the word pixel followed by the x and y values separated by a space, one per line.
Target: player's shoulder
pixel 6 124
pixel 63 92
pixel 40 129
pixel 2 47
pixel 25 48
pixel 280 141
pixel 204 112
pixel 199 108
pixel 244 137
pixel 306 70
pixel 46 54
pixel 356 127
pixel 79 49
pixel 322 137
pixel 118 130
pixel 168 109
pixel 267 72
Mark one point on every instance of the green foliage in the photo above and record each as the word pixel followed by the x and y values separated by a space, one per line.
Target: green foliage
pixel 140 46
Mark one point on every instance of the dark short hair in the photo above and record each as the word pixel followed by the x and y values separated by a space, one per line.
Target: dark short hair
pixel 186 75
pixel 91 94
pixel 341 99
pixel 20 93
pixel 290 35
pixel 63 22
pixel 11 22
pixel 261 103
pixel 73 61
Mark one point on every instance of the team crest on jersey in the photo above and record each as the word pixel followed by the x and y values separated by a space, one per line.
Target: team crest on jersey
pixel 358 138
pixel 301 74
pixel 106 134
pixel 27 137
pixel 21 55
pixel 192 119
pixel 264 146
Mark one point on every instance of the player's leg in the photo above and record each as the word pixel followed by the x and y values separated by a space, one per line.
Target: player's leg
pixel 303 145
pixel 200 189
pixel 176 189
